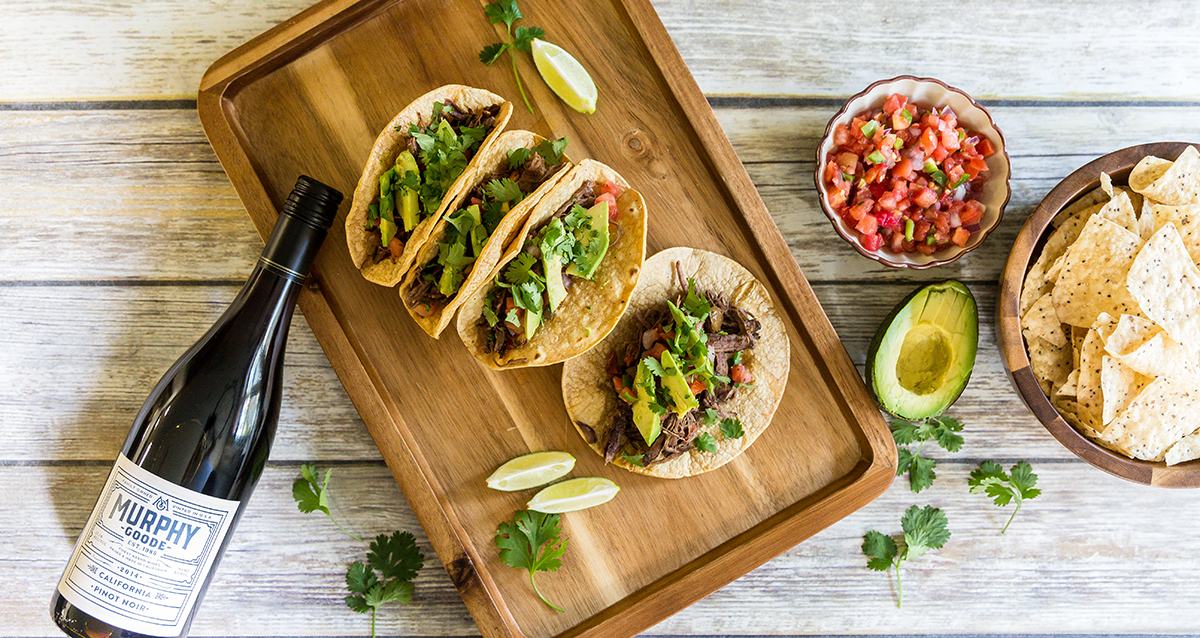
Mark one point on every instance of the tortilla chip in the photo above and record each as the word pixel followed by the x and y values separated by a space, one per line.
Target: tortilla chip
pixel 363 243
pixel 1041 321
pixel 1118 385
pixel 1147 223
pixel 1069 389
pixel 1092 200
pixel 1075 414
pixel 1162 356
pixel 1120 210
pixel 587 387
pixel 1185 449
pixel 1162 413
pixel 1130 332
pixel 1166 284
pixel 592 307
pixel 1091 353
pixel 1147 171
pixel 1078 334
pixel 1036 283
pixel 1178 185
pixel 487 163
pixel 1051 364
pixel 1095 265
pixel 1186 220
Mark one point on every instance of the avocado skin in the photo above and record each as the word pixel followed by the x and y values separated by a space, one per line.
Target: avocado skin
pixel 881 332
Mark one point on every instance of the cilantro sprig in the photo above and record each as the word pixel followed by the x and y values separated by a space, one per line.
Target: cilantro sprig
pixel 519 39
pixel 312 495
pixel 924 529
pixel 920 469
pixel 531 542
pixel 395 557
pixel 1004 488
pixel 398 560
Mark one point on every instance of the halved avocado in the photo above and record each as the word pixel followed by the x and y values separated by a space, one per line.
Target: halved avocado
pixel 922 355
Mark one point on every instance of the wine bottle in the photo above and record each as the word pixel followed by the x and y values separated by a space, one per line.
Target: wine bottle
pixel 196 450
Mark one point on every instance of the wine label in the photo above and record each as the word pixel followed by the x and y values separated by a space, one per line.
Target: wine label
pixel 146 551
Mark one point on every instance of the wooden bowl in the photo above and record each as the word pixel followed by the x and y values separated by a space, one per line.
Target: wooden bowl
pixel 1026 248
pixel 926 92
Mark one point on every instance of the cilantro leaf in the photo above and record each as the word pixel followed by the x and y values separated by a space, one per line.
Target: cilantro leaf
pixel 635 459
pixel 924 529
pixel 531 542
pixel 506 11
pixel 880 550
pixel 696 305
pixel 503 190
pixel 490 316
pixel 654 366
pixel 1004 488
pixel 944 431
pixel 396 556
pixel 551 150
pixel 710 417
pixel 920 470
pixel 311 495
pixel 492 52
pixel 904 432
pixel 517 157
pixel 520 269
pixel 705 443
pixel 398 561
pixel 732 428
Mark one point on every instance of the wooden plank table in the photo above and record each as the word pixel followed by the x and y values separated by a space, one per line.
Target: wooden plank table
pixel 123 241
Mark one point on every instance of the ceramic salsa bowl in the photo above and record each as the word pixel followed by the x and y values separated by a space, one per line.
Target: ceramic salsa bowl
pixel 924 92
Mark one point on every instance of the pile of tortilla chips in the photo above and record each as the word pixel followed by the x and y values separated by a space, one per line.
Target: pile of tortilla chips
pixel 1111 312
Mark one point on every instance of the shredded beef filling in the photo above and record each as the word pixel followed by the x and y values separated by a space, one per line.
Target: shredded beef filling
pixel 729 330
pixel 503 336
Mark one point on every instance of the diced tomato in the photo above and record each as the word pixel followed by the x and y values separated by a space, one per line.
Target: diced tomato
pixel 665 334
pixel 611 200
pixel 976 166
pixel 838 197
pixel 887 219
pixel 926 249
pixel 903 169
pixel 921 230
pixel 971 214
pixel 984 147
pixel 611 187
pixel 871 242
pixel 860 210
pixel 896 243
pixel 656 350
pixel 894 102
pixel 841 135
pixel 960 236
pixel 739 374
pixel 695 385
pixel 867 225
pixel 396 247
pixel 422 310
pixel 924 198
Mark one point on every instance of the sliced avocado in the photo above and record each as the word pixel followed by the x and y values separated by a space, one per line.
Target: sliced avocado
pixel 386 205
pixel 644 418
pixel 554 283
pixel 922 355
pixel 387 229
pixel 677 386
pixel 479 237
pixel 473 211
pixel 405 164
pixel 450 280
pixel 595 244
pixel 532 321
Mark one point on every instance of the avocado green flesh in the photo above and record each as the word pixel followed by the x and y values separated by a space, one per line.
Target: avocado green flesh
pixel 595 246
pixel 923 354
pixel 677 386
pixel 644 418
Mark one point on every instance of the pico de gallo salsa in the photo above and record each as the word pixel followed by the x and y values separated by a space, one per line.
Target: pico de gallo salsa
pixel 908 178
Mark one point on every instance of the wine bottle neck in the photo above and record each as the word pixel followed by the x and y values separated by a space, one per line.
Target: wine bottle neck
pixel 291 248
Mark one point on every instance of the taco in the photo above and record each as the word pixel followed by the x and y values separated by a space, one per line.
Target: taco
pixel 508 179
pixel 413 172
pixel 564 282
pixel 692 374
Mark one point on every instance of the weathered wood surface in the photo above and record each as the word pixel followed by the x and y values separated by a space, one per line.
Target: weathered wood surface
pixel 122 241
pixel 94 49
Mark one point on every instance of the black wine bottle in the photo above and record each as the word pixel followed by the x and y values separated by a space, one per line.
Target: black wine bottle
pixel 196 450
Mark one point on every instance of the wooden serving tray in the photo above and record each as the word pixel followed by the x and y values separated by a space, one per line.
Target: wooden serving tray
pixel 310 95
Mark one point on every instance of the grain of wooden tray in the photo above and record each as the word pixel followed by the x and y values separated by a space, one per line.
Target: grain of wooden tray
pixel 310 96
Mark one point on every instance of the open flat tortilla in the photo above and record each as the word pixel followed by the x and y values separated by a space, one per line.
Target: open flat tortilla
pixel 486 163
pixel 362 242
pixel 592 306
pixel 587 387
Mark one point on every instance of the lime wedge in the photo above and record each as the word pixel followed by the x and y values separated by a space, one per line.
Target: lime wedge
pixel 572 495
pixel 565 76
pixel 530 470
